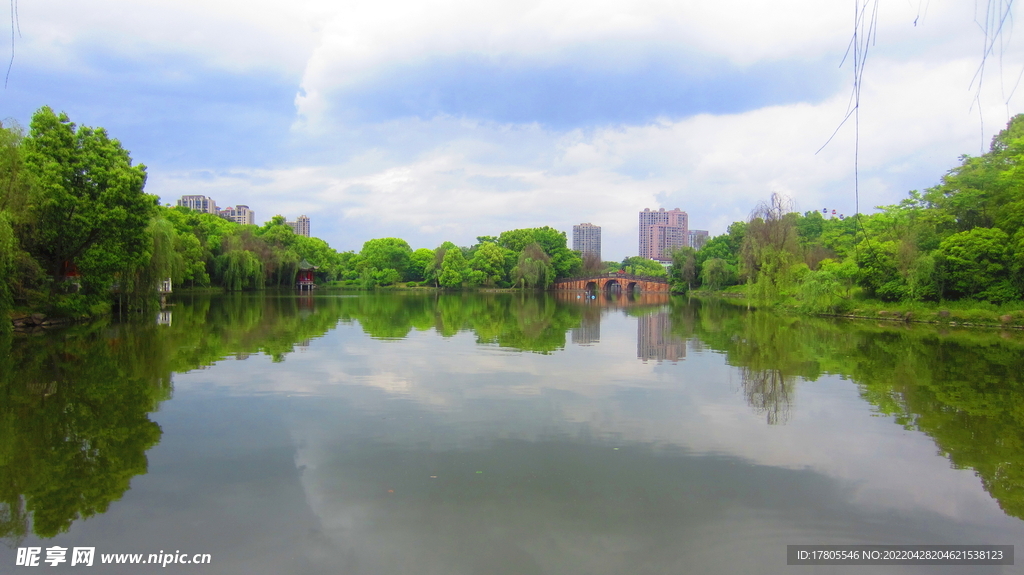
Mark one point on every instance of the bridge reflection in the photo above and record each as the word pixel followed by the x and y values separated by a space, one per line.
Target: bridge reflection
pixel 612 298
pixel 655 338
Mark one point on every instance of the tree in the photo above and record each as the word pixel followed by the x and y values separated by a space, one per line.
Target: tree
pixel 432 271
pixel 563 261
pixel 453 269
pixel 592 264
pixel 769 248
pixel 92 211
pixel 385 253
pixel 715 274
pixel 533 268
pixel 643 267
pixel 418 263
pixel 975 264
pixel 684 266
pixel 489 260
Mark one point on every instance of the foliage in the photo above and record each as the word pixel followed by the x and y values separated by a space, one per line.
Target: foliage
pixel 419 260
pixel 92 212
pixel 388 253
pixel 961 388
pixel 975 264
pixel 488 264
pixel 716 273
pixel 453 269
pixel 684 267
pixel 534 269
pixel 769 249
pixel 643 267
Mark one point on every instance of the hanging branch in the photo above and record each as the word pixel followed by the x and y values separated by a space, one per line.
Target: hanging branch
pixel 15 27
pixel 997 19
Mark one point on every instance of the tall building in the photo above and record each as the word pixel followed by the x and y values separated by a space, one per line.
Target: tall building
pixel 586 238
pixel 655 340
pixel 661 231
pixel 698 238
pixel 239 214
pixel 589 331
pixel 199 204
pixel 300 226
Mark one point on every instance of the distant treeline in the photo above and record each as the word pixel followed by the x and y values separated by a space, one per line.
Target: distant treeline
pixel 962 239
pixel 78 234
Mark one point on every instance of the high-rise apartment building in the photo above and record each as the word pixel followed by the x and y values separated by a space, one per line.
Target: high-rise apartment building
pixel 239 214
pixel 661 231
pixel 300 226
pixel 698 238
pixel 199 204
pixel 586 239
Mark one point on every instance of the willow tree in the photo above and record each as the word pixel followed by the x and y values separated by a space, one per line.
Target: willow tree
pixel 241 270
pixel 533 268
pixel 769 248
pixel 161 261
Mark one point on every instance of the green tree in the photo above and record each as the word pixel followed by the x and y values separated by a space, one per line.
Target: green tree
pixel 432 271
pixel 489 260
pixel 975 264
pixel 643 267
pixel 684 266
pixel 8 247
pixel 385 253
pixel 533 268
pixel 92 210
pixel 453 269
pixel 418 263
pixel 769 248
pixel 715 274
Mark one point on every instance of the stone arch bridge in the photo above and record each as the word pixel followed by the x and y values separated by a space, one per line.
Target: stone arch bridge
pixel 626 282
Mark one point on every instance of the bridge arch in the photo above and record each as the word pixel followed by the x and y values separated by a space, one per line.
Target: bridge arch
pixel 625 282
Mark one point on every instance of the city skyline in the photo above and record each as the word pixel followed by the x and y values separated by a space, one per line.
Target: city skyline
pixel 475 120
pixel 660 230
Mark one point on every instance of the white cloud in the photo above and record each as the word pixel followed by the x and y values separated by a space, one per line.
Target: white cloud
pixel 458 176
pixel 915 121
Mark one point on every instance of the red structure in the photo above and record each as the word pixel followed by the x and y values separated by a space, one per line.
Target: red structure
pixel 304 279
pixel 625 281
pixel 70 275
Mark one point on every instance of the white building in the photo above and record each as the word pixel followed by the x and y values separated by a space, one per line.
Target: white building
pixel 199 204
pixel 300 226
pixel 239 214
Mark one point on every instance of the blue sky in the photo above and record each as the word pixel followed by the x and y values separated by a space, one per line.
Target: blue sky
pixel 447 120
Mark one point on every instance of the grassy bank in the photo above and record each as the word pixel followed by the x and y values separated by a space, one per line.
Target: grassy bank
pixel 960 313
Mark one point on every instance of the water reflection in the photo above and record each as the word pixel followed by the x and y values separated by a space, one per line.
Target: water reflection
pixel 590 446
pixel 74 423
pixel 655 339
pixel 962 388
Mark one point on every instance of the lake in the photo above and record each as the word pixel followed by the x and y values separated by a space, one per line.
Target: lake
pixel 501 433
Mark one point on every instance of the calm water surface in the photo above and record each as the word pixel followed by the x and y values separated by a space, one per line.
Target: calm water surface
pixel 458 434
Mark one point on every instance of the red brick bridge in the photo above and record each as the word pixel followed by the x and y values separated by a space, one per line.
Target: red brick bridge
pixel 626 282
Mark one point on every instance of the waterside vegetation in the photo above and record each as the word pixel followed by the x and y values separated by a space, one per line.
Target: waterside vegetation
pixel 79 237
pixel 954 252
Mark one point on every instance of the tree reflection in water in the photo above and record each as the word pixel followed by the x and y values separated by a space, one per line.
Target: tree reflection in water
pixel 768 392
pixel 75 404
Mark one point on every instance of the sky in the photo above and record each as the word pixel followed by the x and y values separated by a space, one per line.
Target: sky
pixel 439 121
